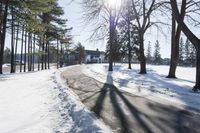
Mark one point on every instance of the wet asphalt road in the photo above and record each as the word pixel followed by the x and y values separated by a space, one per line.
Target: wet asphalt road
pixel 128 113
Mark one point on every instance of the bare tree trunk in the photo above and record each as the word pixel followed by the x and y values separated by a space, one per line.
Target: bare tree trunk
pixel 176 33
pixel 12 69
pixel 22 43
pixel 39 57
pixel 129 43
pixel 197 85
pixel 174 61
pixel 3 36
pixel 16 43
pixel 111 35
pixel 192 37
pixel 31 52
pixel 25 50
pixel 48 56
pixel 33 60
pixel 57 53
pixel 43 54
pixel 29 59
pixel 142 57
pixel 46 51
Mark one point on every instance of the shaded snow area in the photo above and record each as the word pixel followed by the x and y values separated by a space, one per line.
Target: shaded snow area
pixel 153 85
pixel 39 103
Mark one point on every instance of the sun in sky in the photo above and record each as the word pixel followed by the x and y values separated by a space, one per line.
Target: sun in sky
pixel 113 3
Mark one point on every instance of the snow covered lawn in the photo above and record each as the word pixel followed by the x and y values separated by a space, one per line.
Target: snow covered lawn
pixel 39 103
pixel 153 85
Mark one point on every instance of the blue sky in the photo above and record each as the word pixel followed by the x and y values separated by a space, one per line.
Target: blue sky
pixel 73 12
pixel 81 32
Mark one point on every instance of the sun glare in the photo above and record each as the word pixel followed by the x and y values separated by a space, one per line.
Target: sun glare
pixel 113 3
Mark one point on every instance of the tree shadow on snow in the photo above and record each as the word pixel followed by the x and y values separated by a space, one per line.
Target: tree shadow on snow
pixel 173 120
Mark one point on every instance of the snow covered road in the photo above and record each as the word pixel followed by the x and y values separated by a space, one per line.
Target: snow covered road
pixel 38 103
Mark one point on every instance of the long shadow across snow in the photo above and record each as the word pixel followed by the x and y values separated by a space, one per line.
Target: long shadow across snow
pixel 173 120
pixel 114 93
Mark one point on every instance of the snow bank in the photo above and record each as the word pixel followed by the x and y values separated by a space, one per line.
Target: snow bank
pixel 153 85
pixel 38 103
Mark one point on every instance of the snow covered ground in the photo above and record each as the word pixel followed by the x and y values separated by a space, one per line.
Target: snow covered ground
pixel 38 102
pixel 153 85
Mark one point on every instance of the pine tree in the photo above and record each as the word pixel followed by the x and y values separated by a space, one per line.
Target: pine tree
pixel 149 56
pixel 192 55
pixel 187 53
pixel 181 52
pixel 157 55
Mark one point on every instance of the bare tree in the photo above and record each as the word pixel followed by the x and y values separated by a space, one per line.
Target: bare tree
pixel 191 36
pixel 105 18
pixel 143 10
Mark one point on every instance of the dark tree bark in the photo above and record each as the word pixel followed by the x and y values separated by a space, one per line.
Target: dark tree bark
pixel 174 55
pixel 25 50
pixel 48 55
pixel 61 57
pixel 142 57
pixel 111 37
pixel 43 53
pixel 12 69
pixel 22 43
pixel 16 43
pixel 57 53
pixel 176 33
pixel 191 36
pixel 142 27
pixel 3 35
pixel 129 42
pixel 29 59
pixel 33 59
pixel 46 51
pixel 39 57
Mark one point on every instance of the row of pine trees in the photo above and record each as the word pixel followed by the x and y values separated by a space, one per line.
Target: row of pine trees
pixel 187 54
pixel 35 29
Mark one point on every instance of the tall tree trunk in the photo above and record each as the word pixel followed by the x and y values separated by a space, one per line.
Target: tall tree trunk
pixel 57 52
pixel 12 69
pixel 29 41
pixel 197 85
pixel 33 60
pixel 22 43
pixel 3 36
pixel 111 37
pixel 39 57
pixel 129 45
pixel 61 57
pixel 176 33
pixel 16 42
pixel 43 53
pixel 46 51
pixel 25 50
pixel 48 55
pixel 141 54
pixel 30 52
pixel 174 56
pixel 191 36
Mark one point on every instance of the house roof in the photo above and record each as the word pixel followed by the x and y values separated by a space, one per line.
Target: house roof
pixel 93 52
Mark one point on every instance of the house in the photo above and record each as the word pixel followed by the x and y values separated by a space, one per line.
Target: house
pixel 94 56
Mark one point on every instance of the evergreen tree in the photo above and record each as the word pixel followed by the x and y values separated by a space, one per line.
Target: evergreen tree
pixel 187 53
pixel 181 52
pixel 149 56
pixel 80 53
pixel 157 55
pixel 192 55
